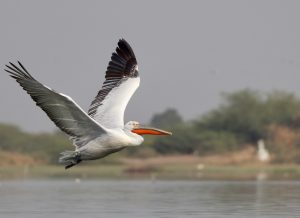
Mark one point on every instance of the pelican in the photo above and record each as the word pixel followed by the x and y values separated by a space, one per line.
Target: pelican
pixel 262 153
pixel 101 131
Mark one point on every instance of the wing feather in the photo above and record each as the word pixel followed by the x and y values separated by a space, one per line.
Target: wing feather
pixel 60 108
pixel 122 80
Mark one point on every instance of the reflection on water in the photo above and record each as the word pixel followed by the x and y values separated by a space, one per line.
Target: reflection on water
pixel 56 198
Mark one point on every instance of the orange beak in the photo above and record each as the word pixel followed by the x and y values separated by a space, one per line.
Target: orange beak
pixel 150 131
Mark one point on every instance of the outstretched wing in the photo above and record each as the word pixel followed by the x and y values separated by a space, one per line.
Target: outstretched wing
pixel 122 79
pixel 60 108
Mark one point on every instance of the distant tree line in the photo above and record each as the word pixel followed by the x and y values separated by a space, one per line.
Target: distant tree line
pixel 240 120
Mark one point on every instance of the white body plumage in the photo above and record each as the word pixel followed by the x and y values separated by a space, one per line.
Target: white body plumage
pixel 114 140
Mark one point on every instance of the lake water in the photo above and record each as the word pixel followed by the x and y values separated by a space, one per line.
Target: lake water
pixel 143 199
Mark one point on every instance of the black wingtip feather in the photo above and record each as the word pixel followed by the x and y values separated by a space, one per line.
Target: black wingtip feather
pixel 21 65
pixel 123 62
pixel 18 71
pixel 126 48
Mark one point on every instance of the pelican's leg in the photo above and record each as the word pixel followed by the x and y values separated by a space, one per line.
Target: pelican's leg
pixel 74 160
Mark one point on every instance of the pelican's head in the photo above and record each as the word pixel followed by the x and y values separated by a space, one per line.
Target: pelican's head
pixel 135 127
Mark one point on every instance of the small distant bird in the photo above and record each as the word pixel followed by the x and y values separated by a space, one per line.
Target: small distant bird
pixel 101 131
pixel 262 153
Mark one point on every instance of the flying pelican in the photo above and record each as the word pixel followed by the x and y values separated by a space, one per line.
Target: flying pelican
pixel 101 131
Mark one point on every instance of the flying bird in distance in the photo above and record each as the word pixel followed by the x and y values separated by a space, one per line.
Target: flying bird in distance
pixel 101 131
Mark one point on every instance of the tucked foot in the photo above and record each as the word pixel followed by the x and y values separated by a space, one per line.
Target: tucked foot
pixel 70 158
pixel 72 164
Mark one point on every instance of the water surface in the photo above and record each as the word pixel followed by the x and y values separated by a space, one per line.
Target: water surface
pixel 128 199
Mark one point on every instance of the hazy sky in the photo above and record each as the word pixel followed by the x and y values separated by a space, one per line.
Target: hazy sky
pixel 188 51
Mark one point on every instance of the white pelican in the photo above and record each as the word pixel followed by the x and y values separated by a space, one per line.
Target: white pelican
pixel 101 131
pixel 262 153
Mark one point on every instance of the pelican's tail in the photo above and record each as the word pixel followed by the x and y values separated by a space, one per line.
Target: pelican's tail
pixel 69 158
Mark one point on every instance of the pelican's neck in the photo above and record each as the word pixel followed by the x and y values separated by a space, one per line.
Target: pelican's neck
pixel 135 139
